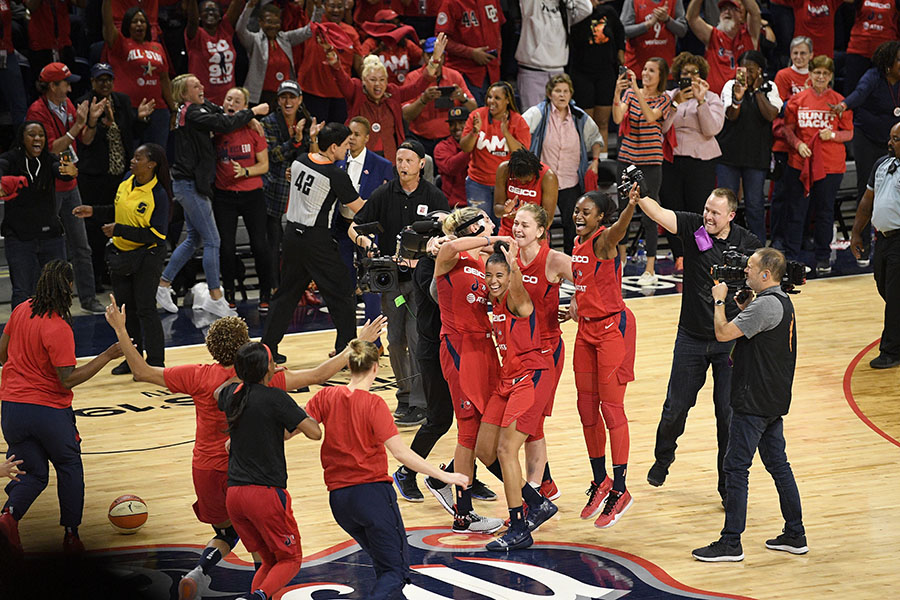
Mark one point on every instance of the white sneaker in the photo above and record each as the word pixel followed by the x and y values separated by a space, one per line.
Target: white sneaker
pixel 193 584
pixel 475 523
pixel 164 299
pixel 647 279
pixel 219 307
pixel 443 492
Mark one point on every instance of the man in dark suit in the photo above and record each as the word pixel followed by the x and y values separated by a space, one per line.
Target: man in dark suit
pixel 367 171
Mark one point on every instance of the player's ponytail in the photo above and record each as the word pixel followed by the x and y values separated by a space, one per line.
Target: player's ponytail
pixel 251 363
pixel 363 356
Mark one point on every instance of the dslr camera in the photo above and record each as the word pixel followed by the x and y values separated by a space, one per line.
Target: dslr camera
pixel 630 176
pixel 731 272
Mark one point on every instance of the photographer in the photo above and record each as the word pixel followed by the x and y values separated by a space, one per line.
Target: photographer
pixel 705 239
pixel 765 355
pixel 395 205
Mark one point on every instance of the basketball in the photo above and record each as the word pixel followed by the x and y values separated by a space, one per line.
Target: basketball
pixel 127 514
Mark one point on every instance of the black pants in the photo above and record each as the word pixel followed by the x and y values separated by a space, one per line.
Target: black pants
pixel 886 262
pixel 97 190
pixel 566 202
pixel 865 153
pixel 438 403
pixel 312 255
pixel 251 205
pixel 138 293
pixel 686 184
pixel 324 109
pixel 274 235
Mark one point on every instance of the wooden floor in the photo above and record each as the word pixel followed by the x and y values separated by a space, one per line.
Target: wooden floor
pixel 847 473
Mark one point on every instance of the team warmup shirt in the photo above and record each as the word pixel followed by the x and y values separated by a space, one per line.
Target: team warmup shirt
pixel 722 54
pixel 598 282
pixel 807 113
pixel 643 145
pixel 519 340
pixel 357 424
pixel 211 59
pixel 656 41
pixel 257 442
pixel 476 24
pixel 242 146
pixel 815 19
pixel 138 68
pixel 37 346
pixel 543 293
pixel 876 23
pixel 315 187
pixel 491 148
pixel 522 192
pixel 462 297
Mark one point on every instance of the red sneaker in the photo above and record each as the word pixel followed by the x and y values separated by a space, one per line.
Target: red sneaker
pixel 72 544
pixel 549 490
pixel 596 496
pixel 9 529
pixel 616 505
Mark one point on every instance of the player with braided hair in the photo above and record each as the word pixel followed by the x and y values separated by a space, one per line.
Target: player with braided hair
pixel 523 179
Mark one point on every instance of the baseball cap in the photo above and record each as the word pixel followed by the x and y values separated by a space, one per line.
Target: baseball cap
pixel 734 3
pixel 429 45
pixel 289 87
pixel 458 113
pixel 57 71
pixel 386 14
pixel 414 145
pixel 102 69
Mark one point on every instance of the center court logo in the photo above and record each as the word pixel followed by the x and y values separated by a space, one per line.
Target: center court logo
pixel 443 566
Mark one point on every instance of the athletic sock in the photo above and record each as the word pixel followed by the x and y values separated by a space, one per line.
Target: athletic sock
pixel 619 477
pixel 546 476
pixel 463 501
pixel 495 469
pixel 598 466
pixel 531 496
pixel 209 558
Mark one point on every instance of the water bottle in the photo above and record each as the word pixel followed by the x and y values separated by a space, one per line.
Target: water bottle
pixel 640 256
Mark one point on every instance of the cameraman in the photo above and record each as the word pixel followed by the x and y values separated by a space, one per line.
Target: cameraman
pixel 765 355
pixel 395 205
pixel 705 239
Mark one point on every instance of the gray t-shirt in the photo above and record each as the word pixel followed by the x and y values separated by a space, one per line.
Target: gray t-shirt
pixel 763 313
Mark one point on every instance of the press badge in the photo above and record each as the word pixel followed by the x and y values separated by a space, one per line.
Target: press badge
pixel 421 210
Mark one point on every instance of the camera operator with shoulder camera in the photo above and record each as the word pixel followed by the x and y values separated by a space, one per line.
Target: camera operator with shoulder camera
pixel 765 354
pixel 395 205
pixel 706 238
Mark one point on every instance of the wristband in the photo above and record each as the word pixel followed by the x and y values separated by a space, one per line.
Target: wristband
pixel 70 136
pixel 487 241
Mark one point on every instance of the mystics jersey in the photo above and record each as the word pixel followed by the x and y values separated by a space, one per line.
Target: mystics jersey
pixel 519 341
pixel 722 54
pixel 544 294
pixel 815 19
pixel 876 23
pixel 462 297
pixel 598 283
pixel 522 192
pixel 657 41
pixel 476 24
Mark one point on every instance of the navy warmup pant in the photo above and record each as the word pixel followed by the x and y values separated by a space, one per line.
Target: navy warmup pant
pixel 369 513
pixel 38 434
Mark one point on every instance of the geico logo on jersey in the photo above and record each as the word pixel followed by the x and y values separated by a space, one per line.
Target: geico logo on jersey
pixel 816 119
pixel 494 145
pixel 474 272
pixel 580 288
pixel 529 279
pixel 580 258
pixel 498 318
pixel 522 191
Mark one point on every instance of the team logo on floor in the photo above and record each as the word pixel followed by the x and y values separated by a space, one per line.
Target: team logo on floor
pixel 444 565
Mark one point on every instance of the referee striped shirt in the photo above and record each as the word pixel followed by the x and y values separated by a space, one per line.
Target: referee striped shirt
pixel 315 188
pixel 643 145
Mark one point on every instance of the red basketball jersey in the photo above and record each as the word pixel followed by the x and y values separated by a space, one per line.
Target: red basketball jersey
pixel 519 341
pixel 462 298
pixel 523 193
pixel 544 294
pixel 657 41
pixel 598 283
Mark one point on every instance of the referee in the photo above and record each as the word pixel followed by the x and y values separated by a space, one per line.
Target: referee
pixel 310 252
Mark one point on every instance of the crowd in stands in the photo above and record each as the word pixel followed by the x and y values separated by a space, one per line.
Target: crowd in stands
pixel 770 100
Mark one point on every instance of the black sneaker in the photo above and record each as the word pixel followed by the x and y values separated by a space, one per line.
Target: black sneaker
pixel 719 551
pixel 883 361
pixel 413 418
pixel 401 410
pixel 795 544
pixel 93 306
pixel 513 539
pixel 823 267
pixel 657 475
pixel 122 369
pixel 406 485
pixel 537 516
pixel 279 359
pixel 482 492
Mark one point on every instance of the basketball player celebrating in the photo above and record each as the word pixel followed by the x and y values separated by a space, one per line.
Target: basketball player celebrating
pixel 358 427
pixel 514 408
pixel 543 270
pixel 604 349
pixel 210 460
pixel 466 347
pixel 521 180
pixel 260 419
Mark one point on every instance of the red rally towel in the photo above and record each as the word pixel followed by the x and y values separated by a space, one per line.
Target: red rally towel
pixel 333 34
pixel 10 186
pixel 813 167
pixel 389 31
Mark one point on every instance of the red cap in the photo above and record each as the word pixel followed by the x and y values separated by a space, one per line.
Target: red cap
pixel 386 14
pixel 57 71
pixel 736 3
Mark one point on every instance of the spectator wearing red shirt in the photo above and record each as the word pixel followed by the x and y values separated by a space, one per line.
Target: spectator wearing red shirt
pixel 491 135
pixel 395 44
pixel 473 28
pixel 877 21
pixel 816 161
pixel 652 27
pixel 427 114
pixel 815 20
pixel 738 31
pixel 358 428
pixel 12 88
pixel 208 40
pixel 37 350
pixel 150 7
pixel 379 101
pixel 242 158
pixel 49 31
pixel 451 160
pixel 141 67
